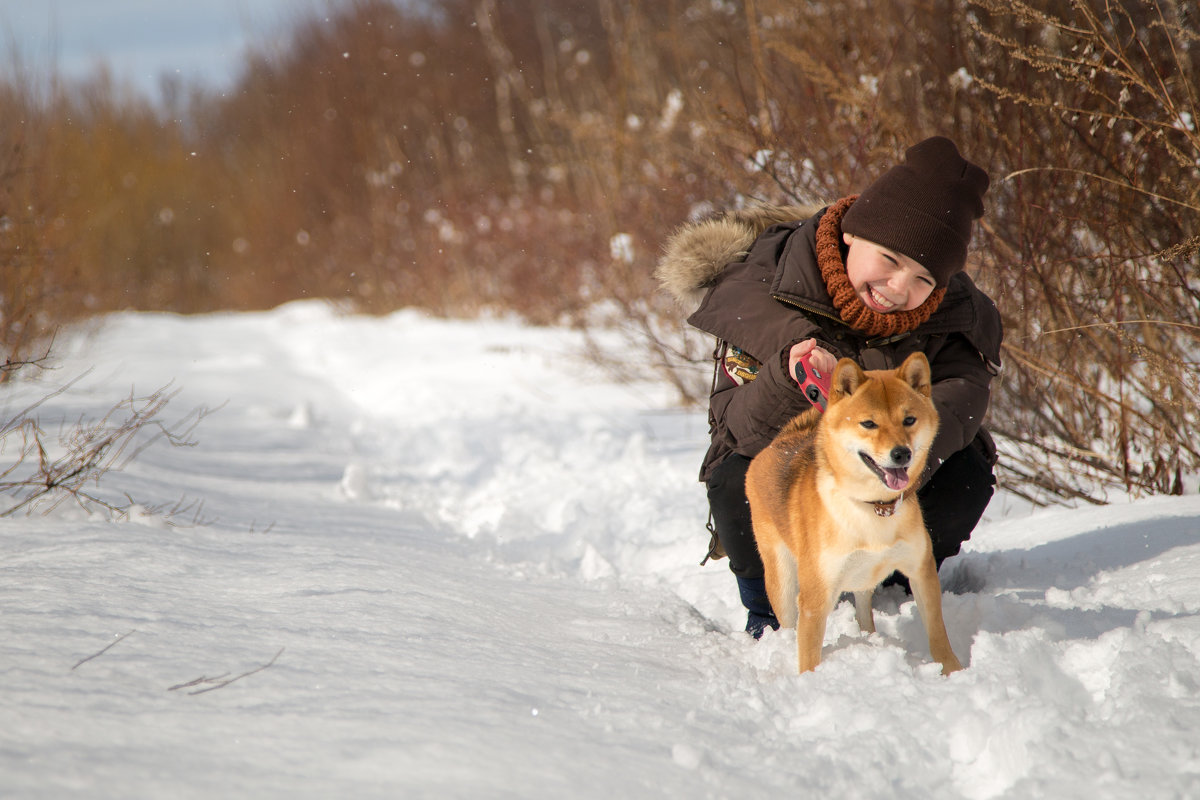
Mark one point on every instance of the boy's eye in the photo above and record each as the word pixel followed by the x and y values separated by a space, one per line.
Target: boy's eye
pixel 869 424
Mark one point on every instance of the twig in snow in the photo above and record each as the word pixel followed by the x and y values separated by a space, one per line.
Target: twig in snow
pixel 83 661
pixel 220 682
pixel 196 682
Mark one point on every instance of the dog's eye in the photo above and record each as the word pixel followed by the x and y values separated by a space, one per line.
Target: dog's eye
pixel 910 421
pixel 869 424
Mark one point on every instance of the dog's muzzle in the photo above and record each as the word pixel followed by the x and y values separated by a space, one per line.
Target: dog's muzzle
pixel 894 477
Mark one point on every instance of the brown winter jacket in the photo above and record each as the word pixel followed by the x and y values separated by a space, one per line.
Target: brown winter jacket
pixel 774 296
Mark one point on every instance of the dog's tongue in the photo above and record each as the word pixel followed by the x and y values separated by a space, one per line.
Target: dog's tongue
pixel 896 478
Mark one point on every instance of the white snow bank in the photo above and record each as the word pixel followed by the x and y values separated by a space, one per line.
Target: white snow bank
pixel 475 558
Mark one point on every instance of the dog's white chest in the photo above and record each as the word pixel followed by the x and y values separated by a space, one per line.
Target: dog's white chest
pixel 862 570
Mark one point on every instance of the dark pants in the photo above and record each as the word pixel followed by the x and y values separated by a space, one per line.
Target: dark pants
pixel 952 502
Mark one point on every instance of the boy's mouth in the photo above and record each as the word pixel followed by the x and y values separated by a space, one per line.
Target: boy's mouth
pixel 895 478
pixel 877 301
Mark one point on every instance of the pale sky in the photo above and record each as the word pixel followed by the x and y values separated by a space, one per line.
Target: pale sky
pixel 141 40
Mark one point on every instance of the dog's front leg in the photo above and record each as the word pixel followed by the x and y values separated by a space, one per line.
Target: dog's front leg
pixel 928 594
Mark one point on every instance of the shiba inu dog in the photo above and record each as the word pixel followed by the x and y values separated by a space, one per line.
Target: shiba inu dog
pixel 834 507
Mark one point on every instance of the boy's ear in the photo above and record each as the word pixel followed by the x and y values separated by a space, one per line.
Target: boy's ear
pixel 915 372
pixel 847 377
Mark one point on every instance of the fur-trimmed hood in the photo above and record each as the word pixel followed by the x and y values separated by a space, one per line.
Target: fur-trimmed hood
pixel 697 252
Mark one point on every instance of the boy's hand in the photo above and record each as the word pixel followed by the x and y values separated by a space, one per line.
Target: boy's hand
pixel 821 359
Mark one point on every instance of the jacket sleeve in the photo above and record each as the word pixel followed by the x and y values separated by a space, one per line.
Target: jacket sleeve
pixel 754 413
pixel 961 393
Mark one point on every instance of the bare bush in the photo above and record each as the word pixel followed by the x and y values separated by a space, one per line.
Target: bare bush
pixel 532 155
pixel 44 471
pixel 1103 315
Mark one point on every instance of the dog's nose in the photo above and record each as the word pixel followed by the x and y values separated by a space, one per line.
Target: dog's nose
pixel 901 456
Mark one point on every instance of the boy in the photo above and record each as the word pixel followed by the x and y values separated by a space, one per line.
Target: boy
pixel 873 277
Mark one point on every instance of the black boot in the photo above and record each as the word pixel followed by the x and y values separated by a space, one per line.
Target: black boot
pixel 759 615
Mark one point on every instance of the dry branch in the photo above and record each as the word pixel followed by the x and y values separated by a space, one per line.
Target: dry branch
pixel 12 364
pixel 101 652
pixel 220 682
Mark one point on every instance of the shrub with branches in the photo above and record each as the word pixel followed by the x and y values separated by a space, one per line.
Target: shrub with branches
pixel 1104 313
pixel 43 471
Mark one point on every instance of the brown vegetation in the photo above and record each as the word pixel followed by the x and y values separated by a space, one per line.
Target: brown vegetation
pixel 531 156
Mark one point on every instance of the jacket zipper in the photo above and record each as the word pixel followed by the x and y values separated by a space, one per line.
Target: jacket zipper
pixel 870 343
pixel 809 309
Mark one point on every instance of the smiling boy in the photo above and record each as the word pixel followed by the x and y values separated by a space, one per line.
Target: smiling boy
pixel 873 277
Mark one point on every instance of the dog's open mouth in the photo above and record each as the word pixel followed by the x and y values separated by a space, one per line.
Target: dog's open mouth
pixel 895 478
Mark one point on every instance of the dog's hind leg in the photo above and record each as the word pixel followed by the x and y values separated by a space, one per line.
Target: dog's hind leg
pixel 782 584
pixel 863 611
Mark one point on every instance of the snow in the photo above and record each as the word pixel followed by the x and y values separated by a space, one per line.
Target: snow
pixel 455 559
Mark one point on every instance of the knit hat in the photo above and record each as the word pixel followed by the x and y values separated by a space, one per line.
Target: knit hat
pixel 923 208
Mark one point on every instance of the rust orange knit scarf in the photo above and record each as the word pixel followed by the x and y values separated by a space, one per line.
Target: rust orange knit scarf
pixel 847 302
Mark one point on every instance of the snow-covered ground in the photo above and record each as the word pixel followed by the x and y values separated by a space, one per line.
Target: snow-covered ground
pixel 451 559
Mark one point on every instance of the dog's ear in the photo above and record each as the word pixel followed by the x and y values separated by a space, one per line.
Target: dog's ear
pixel 847 377
pixel 915 372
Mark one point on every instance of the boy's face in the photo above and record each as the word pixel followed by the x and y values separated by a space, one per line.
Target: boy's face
pixel 884 279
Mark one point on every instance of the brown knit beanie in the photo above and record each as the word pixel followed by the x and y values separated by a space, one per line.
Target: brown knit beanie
pixel 924 207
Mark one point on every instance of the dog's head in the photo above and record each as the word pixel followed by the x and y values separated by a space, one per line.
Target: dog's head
pixel 880 424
